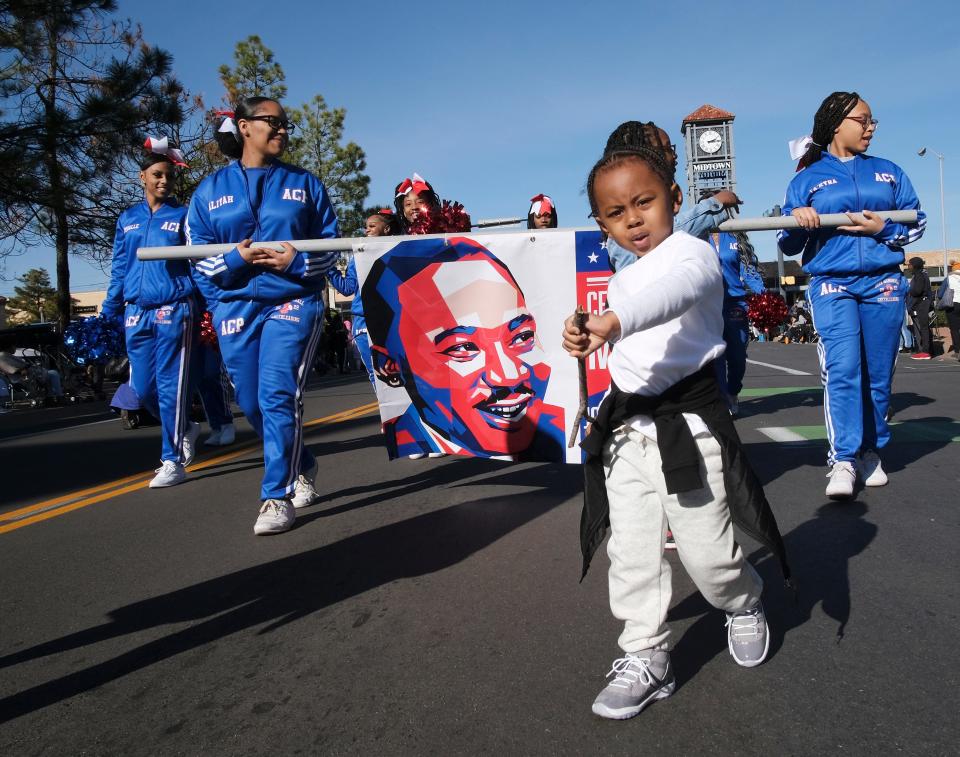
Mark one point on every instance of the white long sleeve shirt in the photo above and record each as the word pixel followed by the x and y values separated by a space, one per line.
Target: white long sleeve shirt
pixel 670 307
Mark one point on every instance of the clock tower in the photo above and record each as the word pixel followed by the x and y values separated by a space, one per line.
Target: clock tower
pixel 708 143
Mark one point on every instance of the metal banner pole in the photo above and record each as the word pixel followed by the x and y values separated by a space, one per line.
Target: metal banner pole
pixel 197 251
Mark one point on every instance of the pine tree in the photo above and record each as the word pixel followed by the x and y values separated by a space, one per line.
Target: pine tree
pixel 255 72
pixel 81 92
pixel 316 147
pixel 316 144
pixel 34 297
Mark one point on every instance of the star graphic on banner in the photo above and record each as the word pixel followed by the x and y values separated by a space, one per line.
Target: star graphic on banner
pixel 603 244
pixel 592 257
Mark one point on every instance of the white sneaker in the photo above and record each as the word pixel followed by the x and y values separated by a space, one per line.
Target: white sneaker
pixel 843 477
pixel 221 437
pixel 436 454
pixel 871 470
pixel 169 473
pixel 276 516
pixel 189 450
pixel 303 492
pixel 417 455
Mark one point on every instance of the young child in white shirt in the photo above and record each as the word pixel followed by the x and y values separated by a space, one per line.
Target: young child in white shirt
pixel 663 447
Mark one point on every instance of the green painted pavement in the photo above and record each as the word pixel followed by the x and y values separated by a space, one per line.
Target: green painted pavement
pixel 770 391
pixel 903 432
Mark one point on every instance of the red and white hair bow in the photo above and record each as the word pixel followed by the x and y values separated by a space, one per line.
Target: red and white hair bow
pixel 228 124
pixel 541 205
pixel 162 147
pixel 418 184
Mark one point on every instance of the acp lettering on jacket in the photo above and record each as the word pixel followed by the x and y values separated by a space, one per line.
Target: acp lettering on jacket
pixel 231 326
pixel 299 195
pixel 220 201
pixel 132 320
pixel 170 226
pixel 886 178
pixel 831 288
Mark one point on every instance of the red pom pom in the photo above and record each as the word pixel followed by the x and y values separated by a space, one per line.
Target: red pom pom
pixel 767 310
pixel 449 218
pixel 208 333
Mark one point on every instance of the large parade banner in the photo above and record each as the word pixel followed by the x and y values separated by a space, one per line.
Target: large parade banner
pixel 465 334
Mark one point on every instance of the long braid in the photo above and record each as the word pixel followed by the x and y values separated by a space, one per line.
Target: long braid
pixel 747 255
pixel 828 118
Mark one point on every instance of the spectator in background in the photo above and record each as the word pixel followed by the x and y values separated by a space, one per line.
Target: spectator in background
pixel 919 300
pixel 947 296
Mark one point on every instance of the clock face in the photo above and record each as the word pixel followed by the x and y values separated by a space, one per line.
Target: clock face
pixel 710 141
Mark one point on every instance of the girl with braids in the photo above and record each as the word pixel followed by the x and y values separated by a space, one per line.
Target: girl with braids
pixel 856 290
pixel 410 196
pixel 705 216
pixel 266 305
pixel 381 224
pixel 156 299
pixel 542 213
pixel 663 446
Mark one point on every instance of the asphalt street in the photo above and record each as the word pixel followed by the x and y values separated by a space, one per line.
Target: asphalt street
pixel 433 606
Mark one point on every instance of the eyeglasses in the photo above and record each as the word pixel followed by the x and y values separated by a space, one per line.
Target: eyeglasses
pixel 274 123
pixel 865 123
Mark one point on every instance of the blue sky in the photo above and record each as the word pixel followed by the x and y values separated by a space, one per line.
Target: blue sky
pixel 498 101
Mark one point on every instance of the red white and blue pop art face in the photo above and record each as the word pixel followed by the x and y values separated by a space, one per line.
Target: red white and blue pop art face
pixel 463 344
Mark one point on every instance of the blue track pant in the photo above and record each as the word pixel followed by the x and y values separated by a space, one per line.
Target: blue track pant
pixel 268 351
pixel 859 320
pixel 732 364
pixel 159 342
pixel 211 383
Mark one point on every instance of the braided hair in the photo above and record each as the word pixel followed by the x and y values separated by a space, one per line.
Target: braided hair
pixel 633 140
pixel 826 121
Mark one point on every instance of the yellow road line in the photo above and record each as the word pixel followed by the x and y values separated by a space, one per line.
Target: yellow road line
pixel 66 503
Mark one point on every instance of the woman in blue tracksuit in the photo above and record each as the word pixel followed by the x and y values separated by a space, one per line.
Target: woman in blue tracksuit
pixel 266 305
pixel 159 315
pixel 739 275
pixel 856 289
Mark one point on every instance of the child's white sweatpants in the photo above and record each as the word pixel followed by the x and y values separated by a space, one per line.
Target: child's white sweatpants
pixel 640 510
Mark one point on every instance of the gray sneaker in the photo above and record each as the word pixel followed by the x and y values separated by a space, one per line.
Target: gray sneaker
pixel 639 679
pixel 748 636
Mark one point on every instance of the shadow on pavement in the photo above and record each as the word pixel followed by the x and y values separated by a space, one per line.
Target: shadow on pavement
pixel 820 551
pixel 287 589
pixel 81 463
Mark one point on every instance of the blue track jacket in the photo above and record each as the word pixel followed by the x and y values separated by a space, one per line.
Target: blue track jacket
pixel 834 186
pixel 737 277
pixel 147 283
pixel 294 205
pixel 349 284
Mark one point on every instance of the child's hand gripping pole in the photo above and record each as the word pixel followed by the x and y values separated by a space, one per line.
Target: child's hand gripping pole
pixel 580 319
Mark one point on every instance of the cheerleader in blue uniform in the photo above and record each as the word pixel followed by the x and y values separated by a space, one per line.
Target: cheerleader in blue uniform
pixel 266 304
pixel 156 299
pixel 856 289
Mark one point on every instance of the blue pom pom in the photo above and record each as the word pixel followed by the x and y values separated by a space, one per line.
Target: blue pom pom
pixel 94 340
